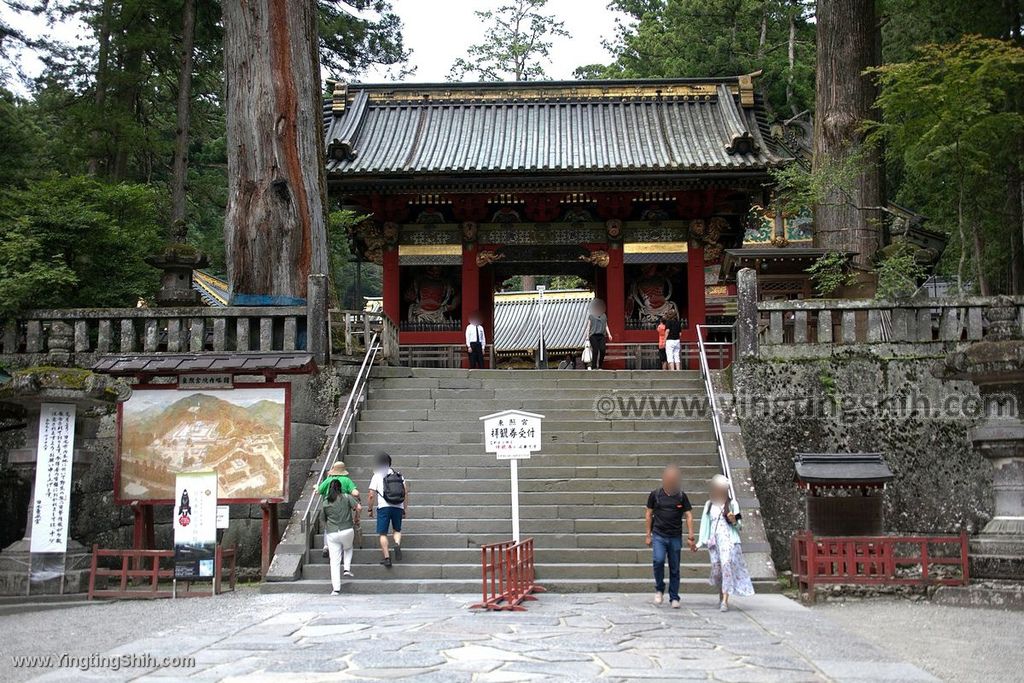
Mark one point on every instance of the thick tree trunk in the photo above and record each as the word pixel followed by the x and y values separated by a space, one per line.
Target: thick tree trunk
pixel 274 230
pixel 179 170
pixel 102 65
pixel 848 218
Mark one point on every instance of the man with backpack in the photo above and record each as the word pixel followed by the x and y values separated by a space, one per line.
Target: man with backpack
pixel 389 495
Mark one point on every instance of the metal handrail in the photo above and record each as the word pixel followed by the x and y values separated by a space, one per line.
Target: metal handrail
pixel 705 371
pixel 345 424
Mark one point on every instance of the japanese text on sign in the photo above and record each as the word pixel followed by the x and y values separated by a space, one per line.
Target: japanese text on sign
pixel 54 456
pixel 512 434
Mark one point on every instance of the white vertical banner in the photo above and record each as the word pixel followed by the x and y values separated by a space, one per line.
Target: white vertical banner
pixel 195 524
pixel 54 457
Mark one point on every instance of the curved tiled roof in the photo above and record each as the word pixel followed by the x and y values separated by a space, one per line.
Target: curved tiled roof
pixel 568 127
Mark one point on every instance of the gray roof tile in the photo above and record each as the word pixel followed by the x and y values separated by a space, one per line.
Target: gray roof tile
pixel 465 129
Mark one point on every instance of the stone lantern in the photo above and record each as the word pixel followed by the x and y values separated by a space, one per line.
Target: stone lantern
pixel 996 366
pixel 178 261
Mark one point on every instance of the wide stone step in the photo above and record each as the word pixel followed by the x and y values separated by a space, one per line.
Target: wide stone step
pixel 467 414
pixel 422 467
pixel 537 485
pixel 680 406
pixel 370 554
pixel 538 468
pixel 473 425
pixel 527 375
pixel 408 570
pixel 544 392
pixel 633 509
pixel 368 445
pixel 697 586
pixel 593 541
pixel 495 526
pixel 657 382
pixel 548 437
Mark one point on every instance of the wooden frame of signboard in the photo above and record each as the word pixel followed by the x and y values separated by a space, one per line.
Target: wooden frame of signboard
pixel 142 509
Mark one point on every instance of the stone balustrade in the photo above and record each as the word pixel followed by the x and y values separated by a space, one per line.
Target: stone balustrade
pixel 815 327
pixel 350 330
pixel 65 335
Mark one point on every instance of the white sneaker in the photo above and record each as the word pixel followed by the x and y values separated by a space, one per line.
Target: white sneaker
pixel 659 598
pixel 675 604
pixel 723 607
pixel 335 592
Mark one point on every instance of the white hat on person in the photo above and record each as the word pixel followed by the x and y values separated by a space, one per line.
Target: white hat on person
pixel 720 481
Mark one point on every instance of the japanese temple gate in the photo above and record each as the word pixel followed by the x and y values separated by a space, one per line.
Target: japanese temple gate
pixel 637 187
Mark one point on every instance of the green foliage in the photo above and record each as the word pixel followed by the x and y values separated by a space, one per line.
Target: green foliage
pixel 353 280
pixel 830 273
pixel 68 242
pixel 953 123
pixel 351 43
pixel 551 282
pixel 516 43
pixel 671 38
pixel 899 273
pixel 798 188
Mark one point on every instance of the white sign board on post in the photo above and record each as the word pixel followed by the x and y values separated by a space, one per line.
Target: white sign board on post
pixel 54 457
pixel 513 435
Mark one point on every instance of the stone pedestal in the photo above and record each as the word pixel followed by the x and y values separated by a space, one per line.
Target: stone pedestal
pixel 996 366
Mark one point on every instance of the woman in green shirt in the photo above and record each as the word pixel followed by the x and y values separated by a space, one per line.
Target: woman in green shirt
pixel 341 512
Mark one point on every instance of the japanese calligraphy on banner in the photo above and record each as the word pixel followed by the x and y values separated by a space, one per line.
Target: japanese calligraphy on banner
pixel 195 524
pixel 512 434
pixel 54 456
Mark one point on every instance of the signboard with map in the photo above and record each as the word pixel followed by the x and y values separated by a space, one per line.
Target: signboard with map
pixel 241 434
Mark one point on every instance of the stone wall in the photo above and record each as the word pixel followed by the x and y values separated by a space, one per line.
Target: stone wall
pixel 940 484
pixel 96 519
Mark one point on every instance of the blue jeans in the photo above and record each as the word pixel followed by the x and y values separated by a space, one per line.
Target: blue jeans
pixel 663 547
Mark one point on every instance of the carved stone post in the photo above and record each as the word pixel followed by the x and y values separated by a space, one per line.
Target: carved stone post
pixel 746 314
pixel 316 318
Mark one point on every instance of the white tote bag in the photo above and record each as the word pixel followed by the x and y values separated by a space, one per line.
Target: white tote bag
pixel 588 354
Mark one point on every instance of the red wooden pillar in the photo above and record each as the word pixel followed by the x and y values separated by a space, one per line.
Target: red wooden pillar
pixel 695 304
pixel 392 293
pixel 615 291
pixel 470 288
pixel 487 305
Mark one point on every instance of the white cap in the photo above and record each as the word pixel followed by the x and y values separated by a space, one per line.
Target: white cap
pixel 720 480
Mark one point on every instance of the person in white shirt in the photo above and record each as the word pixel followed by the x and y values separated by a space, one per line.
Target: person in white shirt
pixel 389 495
pixel 475 342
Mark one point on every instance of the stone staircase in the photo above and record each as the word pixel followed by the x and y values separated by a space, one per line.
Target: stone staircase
pixel 582 497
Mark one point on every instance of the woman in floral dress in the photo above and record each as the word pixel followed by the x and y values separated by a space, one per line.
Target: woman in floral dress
pixel 719 533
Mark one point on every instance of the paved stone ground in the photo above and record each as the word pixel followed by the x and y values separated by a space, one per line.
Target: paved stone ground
pixel 426 638
pixel 954 643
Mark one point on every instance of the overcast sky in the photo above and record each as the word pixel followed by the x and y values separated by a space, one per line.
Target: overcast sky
pixel 437 32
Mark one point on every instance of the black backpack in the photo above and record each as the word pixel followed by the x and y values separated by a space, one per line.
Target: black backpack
pixel 393 490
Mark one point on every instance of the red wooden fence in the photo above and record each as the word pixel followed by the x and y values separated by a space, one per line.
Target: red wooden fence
pixel 509 576
pixel 134 579
pixel 876 560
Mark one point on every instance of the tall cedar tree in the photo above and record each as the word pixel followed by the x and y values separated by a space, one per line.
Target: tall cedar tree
pixel 847 218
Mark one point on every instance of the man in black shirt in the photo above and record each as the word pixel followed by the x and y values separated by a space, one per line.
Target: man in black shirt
pixel 666 509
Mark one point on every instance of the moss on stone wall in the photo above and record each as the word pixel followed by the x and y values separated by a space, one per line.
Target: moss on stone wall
pixel 862 403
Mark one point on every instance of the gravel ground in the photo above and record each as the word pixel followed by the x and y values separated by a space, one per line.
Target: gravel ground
pixel 953 643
